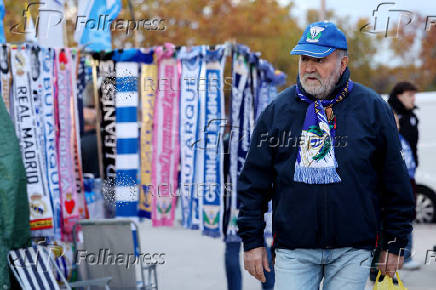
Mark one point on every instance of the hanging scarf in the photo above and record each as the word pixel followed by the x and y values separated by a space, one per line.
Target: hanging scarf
pixel 106 109
pixel 81 203
pixel 64 92
pixel 127 147
pixel 189 107
pixel 5 74
pixel 264 84
pixel 197 200
pixel 166 150
pixel 240 79
pixel 127 160
pixel 36 89
pixel 48 119
pixel 41 216
pixel 214 116
pixel 148 90
pixel 316 162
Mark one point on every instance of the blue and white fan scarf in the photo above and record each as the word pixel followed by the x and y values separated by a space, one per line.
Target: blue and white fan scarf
pixel 214 116
pixel 127 159
pixel 192 62
pixel 316 162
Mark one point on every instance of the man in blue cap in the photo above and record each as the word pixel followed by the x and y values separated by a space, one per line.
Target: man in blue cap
pixel 327 152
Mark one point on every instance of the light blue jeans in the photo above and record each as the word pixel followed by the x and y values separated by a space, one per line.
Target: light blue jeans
pixel 341 268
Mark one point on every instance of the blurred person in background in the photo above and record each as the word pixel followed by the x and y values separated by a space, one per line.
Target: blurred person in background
pixel 338 181
pixel 88 144
pixel 402 100
pixel 14 205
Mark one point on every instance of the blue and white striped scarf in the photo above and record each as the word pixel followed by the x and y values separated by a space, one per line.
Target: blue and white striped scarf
pixel 127 160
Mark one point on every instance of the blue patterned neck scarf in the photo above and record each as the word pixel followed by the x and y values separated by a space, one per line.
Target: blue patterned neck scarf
pixel 316 162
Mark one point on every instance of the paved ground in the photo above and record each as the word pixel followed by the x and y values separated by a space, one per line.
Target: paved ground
pixel 425 278
pixel 195 262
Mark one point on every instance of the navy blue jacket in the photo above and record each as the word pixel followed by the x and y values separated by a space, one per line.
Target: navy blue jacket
pixel 375 192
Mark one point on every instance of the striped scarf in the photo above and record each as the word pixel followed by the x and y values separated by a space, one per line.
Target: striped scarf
pixel 127 160
pixel 192 62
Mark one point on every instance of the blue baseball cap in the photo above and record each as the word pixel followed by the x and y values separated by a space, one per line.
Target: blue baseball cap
pixel 320 39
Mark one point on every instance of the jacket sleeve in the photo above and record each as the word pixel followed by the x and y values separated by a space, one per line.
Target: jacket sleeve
pixel 397 201
pixel 14 206
pixel 254 184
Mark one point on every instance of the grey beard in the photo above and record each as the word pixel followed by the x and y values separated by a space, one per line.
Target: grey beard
pixel 326 88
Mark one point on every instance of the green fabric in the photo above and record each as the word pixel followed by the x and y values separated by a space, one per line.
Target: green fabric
pixel 14 205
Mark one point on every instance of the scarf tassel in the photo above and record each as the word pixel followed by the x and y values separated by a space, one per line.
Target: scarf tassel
pixel 313 175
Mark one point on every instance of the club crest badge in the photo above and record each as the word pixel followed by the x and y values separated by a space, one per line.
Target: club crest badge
pixel 314 34
pixel 211 216
pixel 37 206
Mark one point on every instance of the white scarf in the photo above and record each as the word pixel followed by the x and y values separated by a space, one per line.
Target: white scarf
pixel 41 216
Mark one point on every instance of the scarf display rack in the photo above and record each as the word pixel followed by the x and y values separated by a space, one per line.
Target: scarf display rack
pixel 161 128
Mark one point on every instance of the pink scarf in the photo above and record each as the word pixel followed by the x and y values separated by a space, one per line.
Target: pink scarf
pixel 166 148
pixel 64 142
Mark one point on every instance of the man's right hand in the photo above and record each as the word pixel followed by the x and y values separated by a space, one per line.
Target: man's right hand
pixel 255 260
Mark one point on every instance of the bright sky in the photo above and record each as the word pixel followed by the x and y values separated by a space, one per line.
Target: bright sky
pixel 364 8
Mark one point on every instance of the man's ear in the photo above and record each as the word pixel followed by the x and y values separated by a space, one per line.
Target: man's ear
pixel 344 63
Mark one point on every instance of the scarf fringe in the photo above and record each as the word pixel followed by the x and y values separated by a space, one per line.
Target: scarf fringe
pixel 312 175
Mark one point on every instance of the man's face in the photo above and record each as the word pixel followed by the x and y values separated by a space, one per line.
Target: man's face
pixel 318 76
pixel 408 99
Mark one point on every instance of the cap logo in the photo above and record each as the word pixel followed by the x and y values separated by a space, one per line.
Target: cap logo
pixel 314 33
